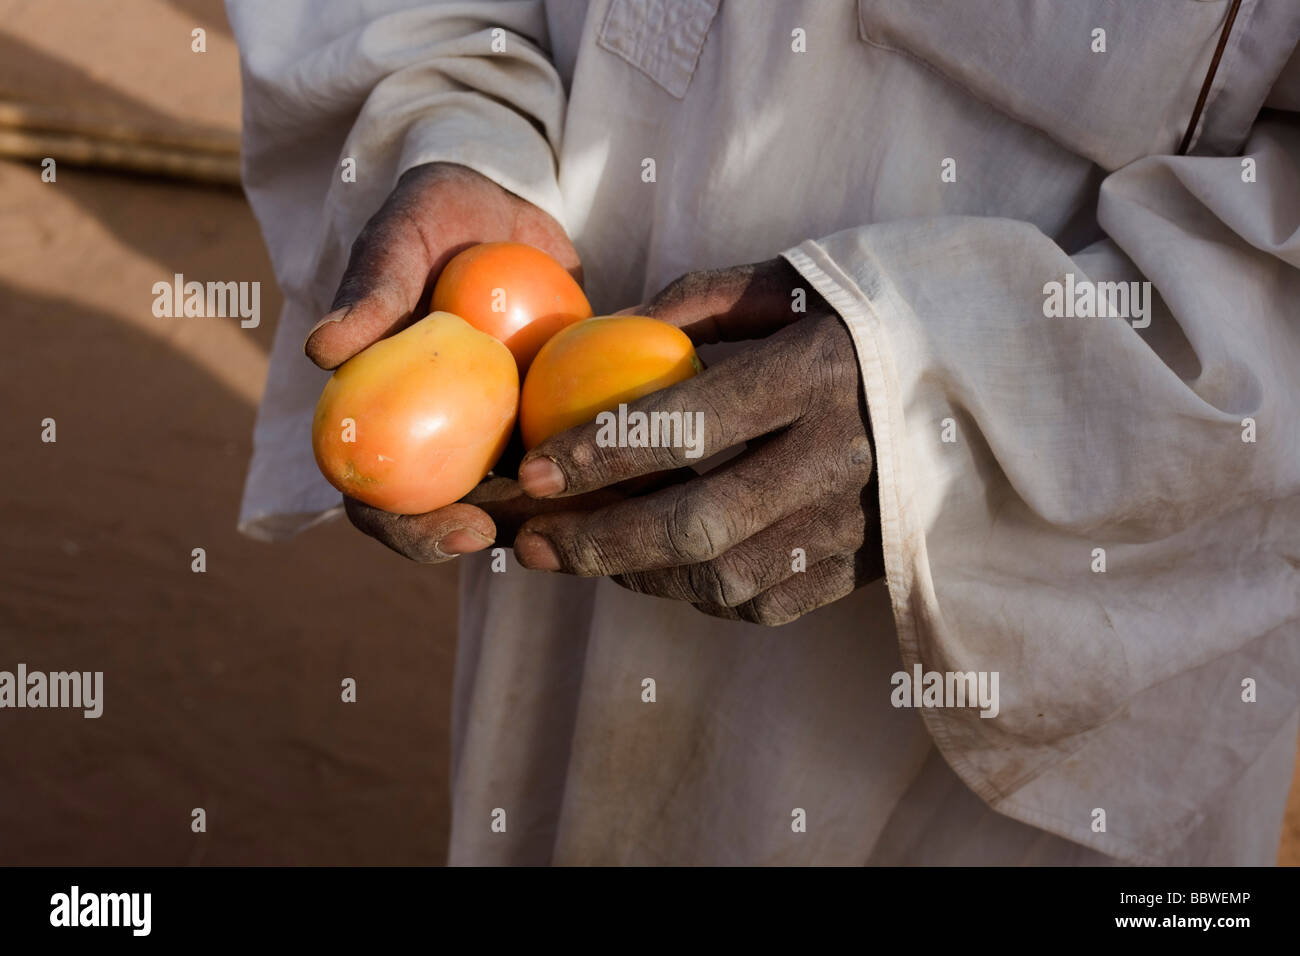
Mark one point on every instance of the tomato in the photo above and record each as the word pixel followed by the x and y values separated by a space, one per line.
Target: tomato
pixel 417 419
pixel 594 365
pixel 513 292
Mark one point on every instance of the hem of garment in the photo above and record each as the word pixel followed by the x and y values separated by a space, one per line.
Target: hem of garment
pixel 860 315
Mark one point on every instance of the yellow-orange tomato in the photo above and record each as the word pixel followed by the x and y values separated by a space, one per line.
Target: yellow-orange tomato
pixel 513 292
pixel 593 366
pixel 416 420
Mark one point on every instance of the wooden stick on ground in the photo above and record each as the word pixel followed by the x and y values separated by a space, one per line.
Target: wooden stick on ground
pixel 33 132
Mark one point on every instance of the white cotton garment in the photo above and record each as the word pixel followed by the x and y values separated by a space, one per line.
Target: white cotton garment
pixel 1103 510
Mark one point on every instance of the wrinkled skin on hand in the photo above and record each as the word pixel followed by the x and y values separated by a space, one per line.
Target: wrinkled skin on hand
pixel 726 541
pixel 435 211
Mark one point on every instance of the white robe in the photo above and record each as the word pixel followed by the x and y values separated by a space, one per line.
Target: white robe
pixel 930 169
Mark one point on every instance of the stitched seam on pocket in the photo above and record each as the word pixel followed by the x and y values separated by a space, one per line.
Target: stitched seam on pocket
pixel 671 71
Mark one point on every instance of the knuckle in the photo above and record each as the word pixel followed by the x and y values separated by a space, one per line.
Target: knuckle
pixel 860 460
pixel 770 609
pixel 833 539
pixel 833 341
pixel 707 583
pixel 587 555
pixel 695 530
pixel 714 410
pixel 727 580
pixel 833 359
pixel 852 528
pixel 582 455
pixel 846 457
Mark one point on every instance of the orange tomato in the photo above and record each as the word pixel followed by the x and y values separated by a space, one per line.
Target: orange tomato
pixel 416 420
pixel 594 365
pixel 515 293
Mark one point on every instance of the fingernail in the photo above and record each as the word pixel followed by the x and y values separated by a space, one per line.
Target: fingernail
pixel 338 315
pixel 540 477
pixel 536 553
pixel 463 541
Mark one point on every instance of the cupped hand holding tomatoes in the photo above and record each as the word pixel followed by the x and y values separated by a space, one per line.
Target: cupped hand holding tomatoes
pixel 436 211
pixel 414 419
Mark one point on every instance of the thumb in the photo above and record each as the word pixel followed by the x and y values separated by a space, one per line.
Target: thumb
pixel 731 305
pixel 383 284
pixel 419 228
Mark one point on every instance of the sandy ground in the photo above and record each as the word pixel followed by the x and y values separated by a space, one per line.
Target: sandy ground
pixel 222 688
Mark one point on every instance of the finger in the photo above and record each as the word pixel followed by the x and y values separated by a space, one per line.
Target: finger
pixel 748 394
pixel 823 583
pixel 383 284
pixel 696 521
pixel 646 484
pixel 509 508
pixel 742 302
pixel 775 554
pixel 428 538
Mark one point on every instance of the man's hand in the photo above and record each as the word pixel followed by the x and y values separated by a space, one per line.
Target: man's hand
pixel 435 211
pixel 729 541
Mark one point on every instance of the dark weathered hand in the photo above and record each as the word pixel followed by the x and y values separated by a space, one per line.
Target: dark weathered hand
pixel 435 211
pixel 789 525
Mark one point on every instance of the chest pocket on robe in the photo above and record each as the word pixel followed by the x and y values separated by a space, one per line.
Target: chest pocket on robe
pixel 661 38
pixel 1034 60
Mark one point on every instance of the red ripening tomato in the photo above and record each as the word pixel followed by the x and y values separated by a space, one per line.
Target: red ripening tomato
pixel 416 420
pixel 514 292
